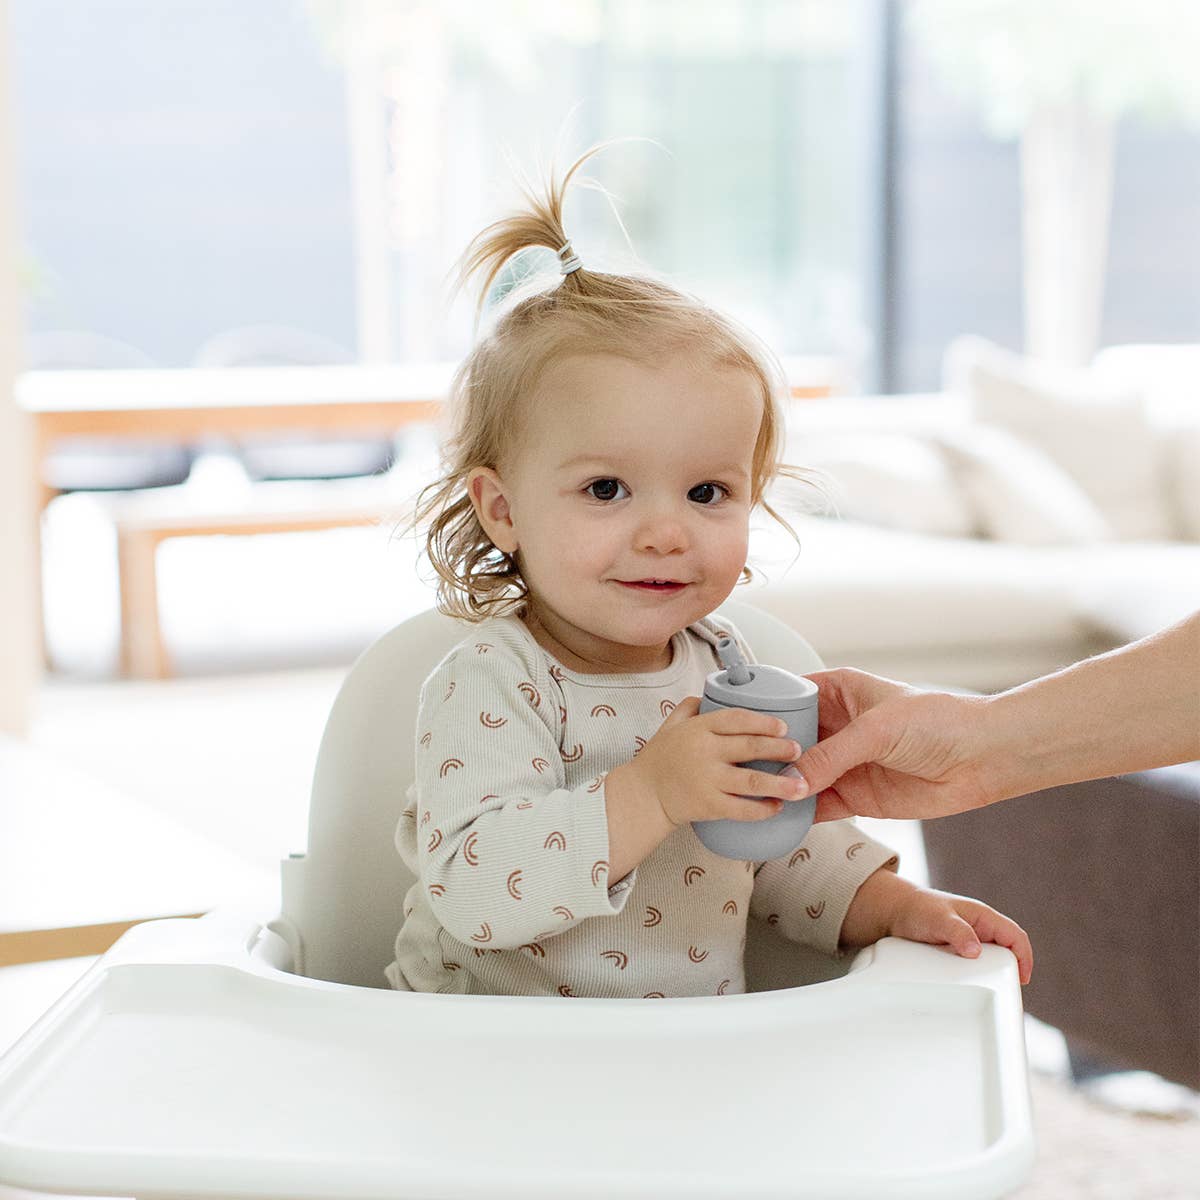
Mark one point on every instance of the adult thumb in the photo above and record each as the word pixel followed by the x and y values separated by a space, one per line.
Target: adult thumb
pixel 825 763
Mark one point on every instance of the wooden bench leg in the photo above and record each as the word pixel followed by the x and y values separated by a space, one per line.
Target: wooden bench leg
pixel 42 497
pixel 143 655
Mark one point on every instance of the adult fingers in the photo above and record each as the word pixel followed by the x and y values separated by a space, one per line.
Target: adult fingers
pixel 832 807
pixel 823 764
pixel 844 692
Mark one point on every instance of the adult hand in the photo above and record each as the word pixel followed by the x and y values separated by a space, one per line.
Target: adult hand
pixel 890 750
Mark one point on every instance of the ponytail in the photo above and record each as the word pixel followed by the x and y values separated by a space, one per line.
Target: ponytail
pixel 539 224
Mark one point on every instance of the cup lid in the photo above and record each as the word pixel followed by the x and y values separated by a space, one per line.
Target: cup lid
pixel 771 689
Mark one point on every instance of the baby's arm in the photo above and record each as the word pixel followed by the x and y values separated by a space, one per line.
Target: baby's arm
pixel 807 895
pixel 506 852
pixel 888 905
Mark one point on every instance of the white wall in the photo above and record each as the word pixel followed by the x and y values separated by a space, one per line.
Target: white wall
pixel 19 638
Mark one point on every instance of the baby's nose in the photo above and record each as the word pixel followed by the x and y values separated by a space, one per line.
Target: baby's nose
pixel 662 532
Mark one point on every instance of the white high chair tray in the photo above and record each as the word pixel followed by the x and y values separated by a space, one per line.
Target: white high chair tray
pixel 185 1064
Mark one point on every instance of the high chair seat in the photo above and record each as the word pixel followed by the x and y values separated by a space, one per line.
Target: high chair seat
pixel 235 1056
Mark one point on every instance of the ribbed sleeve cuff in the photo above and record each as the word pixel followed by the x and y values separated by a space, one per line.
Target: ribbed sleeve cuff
pixel 806 896
pixel 843 888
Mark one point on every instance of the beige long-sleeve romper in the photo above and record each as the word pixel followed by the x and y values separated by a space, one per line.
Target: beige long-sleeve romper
pixel 507 833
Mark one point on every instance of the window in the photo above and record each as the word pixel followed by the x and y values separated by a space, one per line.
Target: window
pixel 193 167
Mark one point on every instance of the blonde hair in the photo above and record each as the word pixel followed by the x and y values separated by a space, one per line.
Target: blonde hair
pixel 582 312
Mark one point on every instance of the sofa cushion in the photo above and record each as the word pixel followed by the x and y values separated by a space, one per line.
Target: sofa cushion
pixel 1128 590
pixel 1099 434
pixel 1170 377
pixel 967 612
pixel 1017 493
pixel 854 586
pixel 1183 478
pixel 897 480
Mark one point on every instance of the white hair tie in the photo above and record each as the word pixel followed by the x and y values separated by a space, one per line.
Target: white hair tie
pixel 570 263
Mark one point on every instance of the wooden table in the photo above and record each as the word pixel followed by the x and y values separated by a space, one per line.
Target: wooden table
pixel 187 405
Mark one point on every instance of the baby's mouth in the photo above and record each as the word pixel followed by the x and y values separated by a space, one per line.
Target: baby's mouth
pixel 653 585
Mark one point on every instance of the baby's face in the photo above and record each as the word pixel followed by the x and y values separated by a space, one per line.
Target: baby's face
pixel 630 501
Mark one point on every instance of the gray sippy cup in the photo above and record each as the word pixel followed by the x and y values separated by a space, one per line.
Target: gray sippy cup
pixel 792 699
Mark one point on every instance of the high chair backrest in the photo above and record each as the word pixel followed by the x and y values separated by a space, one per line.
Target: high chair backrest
pixel 343 901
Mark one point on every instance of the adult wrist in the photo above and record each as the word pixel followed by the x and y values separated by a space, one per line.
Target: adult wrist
pixel 1003 744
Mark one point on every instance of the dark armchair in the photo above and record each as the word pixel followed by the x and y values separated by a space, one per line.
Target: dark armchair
pixel 1105 878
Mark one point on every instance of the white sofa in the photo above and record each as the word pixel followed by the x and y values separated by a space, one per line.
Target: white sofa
pixel 1011 524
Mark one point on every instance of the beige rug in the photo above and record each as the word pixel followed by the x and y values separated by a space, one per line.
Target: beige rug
pixel 1088 1152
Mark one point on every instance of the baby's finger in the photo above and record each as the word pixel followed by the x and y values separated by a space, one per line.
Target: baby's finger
pixel 744 808
pixel 689 706
pixel 740 720
pixel 748 748
pixel 744 781
pixel 960 936
pixel 994 927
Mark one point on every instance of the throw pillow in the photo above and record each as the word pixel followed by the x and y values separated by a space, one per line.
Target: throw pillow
pixel 1018 493
pixel 1169 374
pixel 1183 478
pixel 1099 436
pixel 896 480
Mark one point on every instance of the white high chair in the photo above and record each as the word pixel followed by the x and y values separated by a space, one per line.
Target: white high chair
pixel 231 1057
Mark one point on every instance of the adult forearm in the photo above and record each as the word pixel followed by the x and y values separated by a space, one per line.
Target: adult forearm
pixel 1128 710
pixel 637 823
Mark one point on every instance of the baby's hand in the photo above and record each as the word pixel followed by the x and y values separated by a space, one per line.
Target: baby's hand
pixel 943 919
pixel 690 764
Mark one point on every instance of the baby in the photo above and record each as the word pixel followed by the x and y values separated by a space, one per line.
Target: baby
pixel 612 437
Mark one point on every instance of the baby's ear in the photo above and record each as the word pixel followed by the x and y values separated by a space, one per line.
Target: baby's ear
pixel 489 498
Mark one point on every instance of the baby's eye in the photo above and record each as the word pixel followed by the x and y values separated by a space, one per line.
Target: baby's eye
pixel 708 493
pixel 606 489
